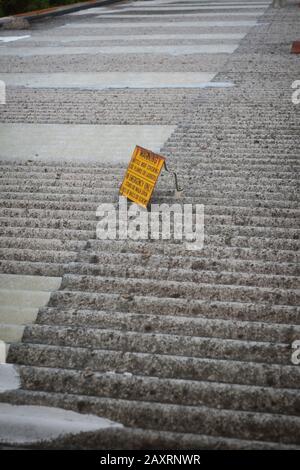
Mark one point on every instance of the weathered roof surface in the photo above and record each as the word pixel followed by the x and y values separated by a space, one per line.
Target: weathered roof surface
pixel 185 349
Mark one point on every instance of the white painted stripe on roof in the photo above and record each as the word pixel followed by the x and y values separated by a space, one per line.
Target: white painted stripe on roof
pixel 21 424
pixel 3 353
pixel 101 81
pixel 165 24
pixel 11 333
pixel 197 2
pixel 13 38
pixel 187 3
pixel 9 380
pixel 17 314
pixel 78 142
pixel 20 298
pixel 147 37
pixel 187 8
pixel 170 6
pixel 28 282
pixel 183 15
pixel 111 50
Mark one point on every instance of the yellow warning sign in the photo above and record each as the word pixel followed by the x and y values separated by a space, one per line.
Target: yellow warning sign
pixel 141 176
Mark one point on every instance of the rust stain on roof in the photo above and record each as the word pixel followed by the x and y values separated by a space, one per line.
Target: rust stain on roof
pixel 296 47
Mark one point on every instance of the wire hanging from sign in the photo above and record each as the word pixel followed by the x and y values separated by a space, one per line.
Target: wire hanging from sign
pixel 178 190
pixel 142 174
